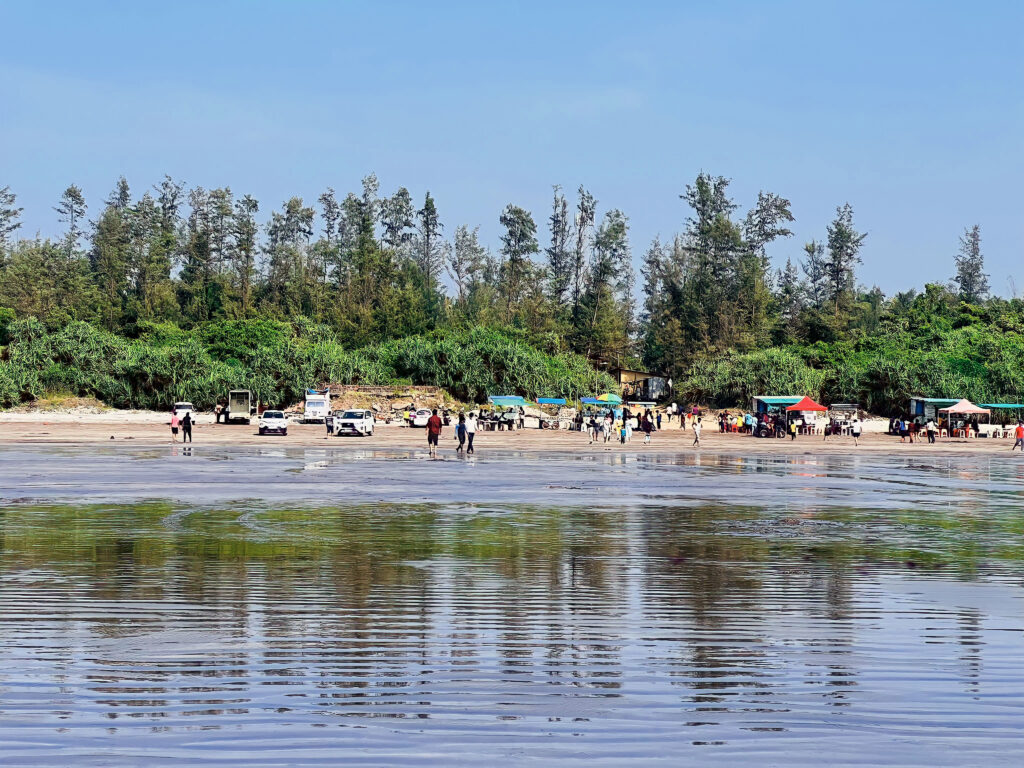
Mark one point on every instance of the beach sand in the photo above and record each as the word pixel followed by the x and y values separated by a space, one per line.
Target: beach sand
pixel 83 426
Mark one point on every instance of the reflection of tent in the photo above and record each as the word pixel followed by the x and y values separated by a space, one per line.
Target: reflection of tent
pixel 806 405
pixel 965 407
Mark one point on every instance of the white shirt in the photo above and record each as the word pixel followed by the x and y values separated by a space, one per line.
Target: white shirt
pixel 470 425
pixel 697 426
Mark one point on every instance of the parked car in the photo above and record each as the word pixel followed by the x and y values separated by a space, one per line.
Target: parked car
pixel 354 423
pixel 273 423
pixel 419 417
pixel 180 409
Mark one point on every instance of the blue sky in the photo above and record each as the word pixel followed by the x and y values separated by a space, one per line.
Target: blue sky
pixel 912 112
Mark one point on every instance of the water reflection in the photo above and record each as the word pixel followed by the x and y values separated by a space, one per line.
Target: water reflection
pixel 461 634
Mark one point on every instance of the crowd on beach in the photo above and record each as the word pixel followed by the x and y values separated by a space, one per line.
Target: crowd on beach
pixel 610 424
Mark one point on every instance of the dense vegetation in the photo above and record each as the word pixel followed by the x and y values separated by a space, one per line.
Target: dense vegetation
pixel 183 294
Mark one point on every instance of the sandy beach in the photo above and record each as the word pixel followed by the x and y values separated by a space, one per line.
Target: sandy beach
pixel 83 426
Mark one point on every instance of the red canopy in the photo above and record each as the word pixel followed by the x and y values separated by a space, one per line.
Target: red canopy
pixel 807 405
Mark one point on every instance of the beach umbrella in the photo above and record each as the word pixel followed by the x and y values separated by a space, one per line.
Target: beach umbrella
pixel 608 397
pixel 807 405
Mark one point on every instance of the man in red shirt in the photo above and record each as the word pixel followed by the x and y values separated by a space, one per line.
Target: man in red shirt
pixel 1018 433
pixel 433 432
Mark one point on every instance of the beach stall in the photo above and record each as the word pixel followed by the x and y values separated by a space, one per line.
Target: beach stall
pixel 505 411
pixel 551 413
pixel 961 415
pixel 1004 417
pixel 773 403
pixel 806 410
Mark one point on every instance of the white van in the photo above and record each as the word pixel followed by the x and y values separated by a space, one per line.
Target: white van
pixel 318 406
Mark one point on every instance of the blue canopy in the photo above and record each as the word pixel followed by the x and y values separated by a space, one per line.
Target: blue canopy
pixel 507 401
pixel 551 400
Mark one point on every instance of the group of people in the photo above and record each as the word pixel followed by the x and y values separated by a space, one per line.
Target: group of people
pixel 465 431
pixel 184 423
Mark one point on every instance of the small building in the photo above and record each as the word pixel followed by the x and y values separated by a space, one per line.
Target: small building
pixel 924 408
pixel 639 385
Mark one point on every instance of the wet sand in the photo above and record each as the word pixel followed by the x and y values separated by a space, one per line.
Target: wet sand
pixel 151 429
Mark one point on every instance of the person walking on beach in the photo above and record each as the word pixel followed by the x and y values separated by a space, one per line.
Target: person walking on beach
pixel 433 432
pixel 697 427
pixel 792 429
pixel 659 421
pixel 218 409
pixel 470 431
pixel 930 429
pixel 855 430
pixel 186 428
pixel 1018 435
pixel 175 421
pixel 460 433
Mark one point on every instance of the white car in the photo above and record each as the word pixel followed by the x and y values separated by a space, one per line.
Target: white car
pixel 273 423
pixel 419 417
pixel 180 409
pixel 354 423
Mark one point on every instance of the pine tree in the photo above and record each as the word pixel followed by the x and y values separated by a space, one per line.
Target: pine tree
pixel 245 249
pixel 466 260
pixel 9 216
pixel 71 211
pixel 518 243
pixel 396 219
pixel 586 215
pixel 427 247
pixel 815 279
pixel 844 244
pixel 560 257
pixel 971 279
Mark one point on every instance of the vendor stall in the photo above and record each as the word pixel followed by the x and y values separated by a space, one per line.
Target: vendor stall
pixel 962 419
pixel 805 410
pixel 1004 417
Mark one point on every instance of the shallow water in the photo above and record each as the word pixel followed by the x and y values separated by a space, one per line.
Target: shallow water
pixel 313 607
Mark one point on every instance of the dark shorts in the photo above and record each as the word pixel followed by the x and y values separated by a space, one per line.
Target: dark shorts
pixel 431 438
pixel 174 430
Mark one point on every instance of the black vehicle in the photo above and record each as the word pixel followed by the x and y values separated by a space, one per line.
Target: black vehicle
pixel 778 429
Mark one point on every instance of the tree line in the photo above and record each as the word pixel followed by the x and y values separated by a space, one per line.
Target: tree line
pixel 374 268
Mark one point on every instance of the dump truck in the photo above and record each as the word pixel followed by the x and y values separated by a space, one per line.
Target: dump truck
pixel 240 407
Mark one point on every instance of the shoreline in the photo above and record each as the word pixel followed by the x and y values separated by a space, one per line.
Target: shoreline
pixel 151 428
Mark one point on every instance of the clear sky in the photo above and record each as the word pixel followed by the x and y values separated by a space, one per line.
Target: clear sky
pixel 912 112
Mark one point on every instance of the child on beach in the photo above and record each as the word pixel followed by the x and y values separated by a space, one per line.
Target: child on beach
pixel 697 426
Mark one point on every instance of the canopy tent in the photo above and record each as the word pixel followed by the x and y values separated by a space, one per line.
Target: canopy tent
pixel 508 401
pixel 806 405
pixel 965 407
pixel 592 401
pixel 1003 406
pixel 551 401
